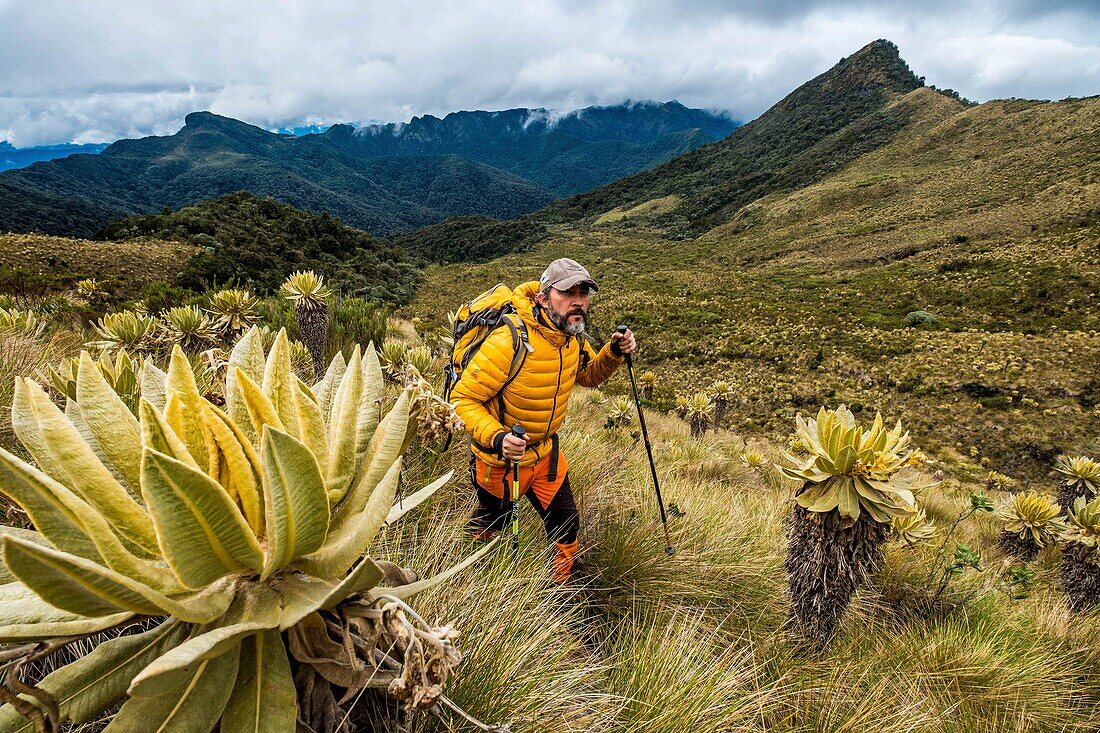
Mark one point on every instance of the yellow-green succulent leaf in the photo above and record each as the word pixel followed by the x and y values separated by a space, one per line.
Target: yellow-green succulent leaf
pixel 61 452
pixel 325 390
pixel 253 611
pixel 153 381
pixel 846 459
pixel 202 533
pixel 181 381
pixel 36 488
pixel 828 500
pixel 296 505
pixel 279 383
pixel 311 425
pixel 404 592
pixel 848 500
pixel 386 448
pixel 114 428
pixel 242 466
pixel 412 501
pixel 303 594
pixel 193 707
pixel 342 428
pixel 265 699
pixel 98 680
pixel 24 534
pixel 248 356
pixel 261 411
pixel 347 543
pixel 367 418
pixel 73 583
pixel 27 487
pixel 29 618
pixel 158 435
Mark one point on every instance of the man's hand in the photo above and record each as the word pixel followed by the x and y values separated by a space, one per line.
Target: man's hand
pixel 512 447
pixel 625 341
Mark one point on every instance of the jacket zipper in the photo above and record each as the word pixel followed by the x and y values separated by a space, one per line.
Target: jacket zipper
pixel 557 389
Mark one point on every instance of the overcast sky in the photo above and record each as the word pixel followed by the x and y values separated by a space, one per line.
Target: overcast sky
pixel 82 71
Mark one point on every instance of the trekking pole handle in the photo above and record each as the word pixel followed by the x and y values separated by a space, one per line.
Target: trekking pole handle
pixel 519 432
pixel 623 329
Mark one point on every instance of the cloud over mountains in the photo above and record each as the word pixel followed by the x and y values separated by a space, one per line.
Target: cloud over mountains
pixel 88 72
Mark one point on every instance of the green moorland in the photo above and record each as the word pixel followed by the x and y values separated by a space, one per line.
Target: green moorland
pixel 645 642
pixel 696 641
pixel 986 217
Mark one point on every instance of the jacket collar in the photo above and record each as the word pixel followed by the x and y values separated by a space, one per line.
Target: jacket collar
pixel 534 316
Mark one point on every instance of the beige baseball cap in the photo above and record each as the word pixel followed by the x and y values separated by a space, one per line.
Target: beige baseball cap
pixel 565 273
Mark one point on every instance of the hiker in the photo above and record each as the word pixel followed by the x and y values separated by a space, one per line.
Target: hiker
pixel 551 316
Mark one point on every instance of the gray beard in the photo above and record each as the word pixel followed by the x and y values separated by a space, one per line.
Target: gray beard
pixel 562 322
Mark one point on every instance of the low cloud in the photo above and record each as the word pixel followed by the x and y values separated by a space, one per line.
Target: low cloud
pixel 88 72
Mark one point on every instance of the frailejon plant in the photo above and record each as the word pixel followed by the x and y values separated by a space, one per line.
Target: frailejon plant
pixel 721 394
pixel 996 481
pixel 190 327
pixel 420 359
pixel 699 411
pixel 307 290
pixel 855 481
pixel 912 529
pixel 239 536
pixel 647 381
pixel 124 374
pixel 394 356
pixel 619 413
pixel 1081 479
pixel 234 311
pixel 1081 555
pixel 22 322
pixel 1031 522
pixel 754 458
pixel 127 329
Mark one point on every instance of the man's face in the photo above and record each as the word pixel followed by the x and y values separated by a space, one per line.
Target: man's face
pixel 568 309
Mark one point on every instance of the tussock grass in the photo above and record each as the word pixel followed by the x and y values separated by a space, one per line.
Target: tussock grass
pixel 641 641
pixel 25 356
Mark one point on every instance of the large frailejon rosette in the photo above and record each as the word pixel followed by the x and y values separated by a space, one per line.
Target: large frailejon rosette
pixel 235 525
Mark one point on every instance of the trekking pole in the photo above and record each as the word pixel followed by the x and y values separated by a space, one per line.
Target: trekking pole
pixel 648 447
pixel 519 432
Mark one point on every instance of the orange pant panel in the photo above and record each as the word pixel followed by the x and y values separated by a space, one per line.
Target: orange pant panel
pixel 534 478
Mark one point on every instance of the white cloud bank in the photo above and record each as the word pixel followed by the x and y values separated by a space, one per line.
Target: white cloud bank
pixel 92 71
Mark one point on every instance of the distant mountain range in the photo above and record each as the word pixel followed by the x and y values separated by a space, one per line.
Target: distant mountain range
pixel 565 154
pixel 382 178
pixel 12 157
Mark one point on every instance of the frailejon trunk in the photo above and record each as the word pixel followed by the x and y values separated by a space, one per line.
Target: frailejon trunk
pixel 1068 493
pixel 1080 581
pixel 1016 546
pixel 827 562
pixel 313 324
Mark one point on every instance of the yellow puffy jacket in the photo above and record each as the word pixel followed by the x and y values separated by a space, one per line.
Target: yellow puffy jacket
pixel 538 396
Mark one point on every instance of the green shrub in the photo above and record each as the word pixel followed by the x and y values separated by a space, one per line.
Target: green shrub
pixel 921 318
pixel 355 321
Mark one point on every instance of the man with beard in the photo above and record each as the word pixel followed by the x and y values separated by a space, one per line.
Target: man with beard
pixel 490 400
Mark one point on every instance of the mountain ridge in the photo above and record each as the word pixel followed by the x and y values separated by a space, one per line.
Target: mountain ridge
pixel 374 190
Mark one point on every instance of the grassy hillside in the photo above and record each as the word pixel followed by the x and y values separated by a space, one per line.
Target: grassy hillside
pixel 695 642
pixel 987 217
pixel 63 261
